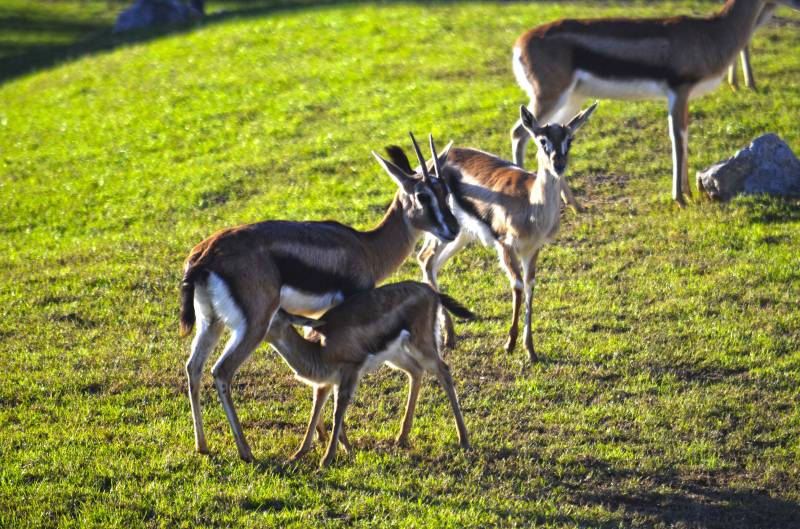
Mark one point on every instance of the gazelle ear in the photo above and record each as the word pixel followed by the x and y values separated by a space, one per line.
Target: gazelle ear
pixel 405 181
pixel 528 120
pixel 582 117
pixel 302 321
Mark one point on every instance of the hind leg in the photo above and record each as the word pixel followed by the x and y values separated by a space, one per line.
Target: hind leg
pixel 205 339
pixel 446 381
pixel 238 349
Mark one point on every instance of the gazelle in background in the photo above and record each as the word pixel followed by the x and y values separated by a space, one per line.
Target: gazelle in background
pixel 395 324
pixel 747 68
pixel 240 277
pixel 562 64
pixel 508 208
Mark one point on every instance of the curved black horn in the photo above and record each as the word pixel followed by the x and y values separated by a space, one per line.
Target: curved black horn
pixel 423 165
pixel 436 166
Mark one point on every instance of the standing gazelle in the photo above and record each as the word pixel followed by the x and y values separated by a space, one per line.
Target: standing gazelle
pixel 395 324
pixel 239 277
pixel 507 207
pixel 562 64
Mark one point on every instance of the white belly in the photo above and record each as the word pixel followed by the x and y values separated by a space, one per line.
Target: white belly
pixel 306 304
pixel 706 86
pixel 472 227
pixel 394 350
pixel 590 86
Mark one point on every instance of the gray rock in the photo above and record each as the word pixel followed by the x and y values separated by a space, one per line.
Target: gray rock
pixel 767 165
pixel 148 13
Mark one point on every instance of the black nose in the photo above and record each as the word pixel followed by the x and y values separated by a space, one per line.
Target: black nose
pixel 560 167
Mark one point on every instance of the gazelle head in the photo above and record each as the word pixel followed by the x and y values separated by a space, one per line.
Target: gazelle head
pixel 554 140
pixel 423 195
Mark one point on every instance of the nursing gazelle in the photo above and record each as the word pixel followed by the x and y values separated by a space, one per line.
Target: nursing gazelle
pixel 240 277
pixel 504 206
pixel 396 324
pixel 562 64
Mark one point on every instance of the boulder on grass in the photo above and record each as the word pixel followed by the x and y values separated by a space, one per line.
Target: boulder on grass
pixel 767 165
pixel 149 13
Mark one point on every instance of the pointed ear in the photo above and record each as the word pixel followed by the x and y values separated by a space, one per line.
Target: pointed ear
pixel 582 117
pixel 528 121
pixel 405 181
pixel 302 321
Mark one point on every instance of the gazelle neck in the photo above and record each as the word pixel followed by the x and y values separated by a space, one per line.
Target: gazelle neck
pixel 302 356
pixel 391 241
pixel 736 23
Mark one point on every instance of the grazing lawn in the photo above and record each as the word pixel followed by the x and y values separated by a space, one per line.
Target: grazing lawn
pixel 667 394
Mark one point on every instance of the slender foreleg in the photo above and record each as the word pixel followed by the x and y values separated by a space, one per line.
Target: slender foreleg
pixel 321 394
pixel 679 132
pixel 343 395
pixel 510 263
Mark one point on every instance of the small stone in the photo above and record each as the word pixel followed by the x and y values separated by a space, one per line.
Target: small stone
pixel 149 13
pixel 766 166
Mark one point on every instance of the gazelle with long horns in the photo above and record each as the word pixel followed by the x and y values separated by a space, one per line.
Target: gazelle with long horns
pixel 563 63
pixel 240 277
pixel 508 208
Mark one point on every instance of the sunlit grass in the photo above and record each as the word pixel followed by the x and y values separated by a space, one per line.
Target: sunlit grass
pixel 667 394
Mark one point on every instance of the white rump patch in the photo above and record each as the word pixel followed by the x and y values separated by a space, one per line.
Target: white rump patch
pixel 222 303
pixel 519 73
pixel 299 302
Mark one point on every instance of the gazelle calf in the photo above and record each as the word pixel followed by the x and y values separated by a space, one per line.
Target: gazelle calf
pixel 507 207
pixel 395 324
pixel 240 277
pixel 562 64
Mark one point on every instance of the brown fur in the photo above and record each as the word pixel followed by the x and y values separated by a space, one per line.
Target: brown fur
pixel 362 326
pixel 680 52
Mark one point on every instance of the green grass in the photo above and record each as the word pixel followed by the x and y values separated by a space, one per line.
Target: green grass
pixel 670 340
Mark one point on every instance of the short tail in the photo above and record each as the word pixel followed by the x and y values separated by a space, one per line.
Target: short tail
pixel 190 277
pixel 456 308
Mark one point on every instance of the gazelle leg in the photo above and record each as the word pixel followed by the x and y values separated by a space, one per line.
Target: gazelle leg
pixel 431 261
pixel 414 379
pixel 243 341
pixel 733 76
pixel 679 126
pixel 446 381
pixel 342 396
pixel 529 269
pixel 321 393
pixel 749 79
pixel 205 339
pixel 510 263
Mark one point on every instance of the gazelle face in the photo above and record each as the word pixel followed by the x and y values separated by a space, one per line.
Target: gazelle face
pixel 424 196
pixel 428 210
pixel 554 140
